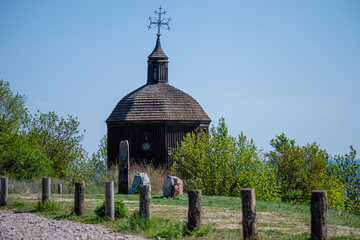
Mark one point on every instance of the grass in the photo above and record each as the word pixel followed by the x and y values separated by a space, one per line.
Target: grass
pixel 275 220
pixel 47 206
pixel 221 215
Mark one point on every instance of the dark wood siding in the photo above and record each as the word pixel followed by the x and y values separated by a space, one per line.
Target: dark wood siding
pixel 161 137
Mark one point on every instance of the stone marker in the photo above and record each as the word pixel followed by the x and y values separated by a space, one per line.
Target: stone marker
pixel 109 200
pixel 46 189
pixel 249 213
pixel 178 187
pixel 124 165
pixel 4 191
pixel 167 186
pixel 172 186
pixel 59 188
pixel 319 208
pixel 139 180
pixel 194 212
pixel 145 201
pixel 79 207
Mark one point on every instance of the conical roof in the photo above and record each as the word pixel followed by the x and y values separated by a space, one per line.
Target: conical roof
pixel 158 102
pixel 158 52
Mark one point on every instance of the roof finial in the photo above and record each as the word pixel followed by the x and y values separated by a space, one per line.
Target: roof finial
pixel 160 21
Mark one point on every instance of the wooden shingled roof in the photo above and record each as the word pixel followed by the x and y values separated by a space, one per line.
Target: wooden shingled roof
pixel 158 102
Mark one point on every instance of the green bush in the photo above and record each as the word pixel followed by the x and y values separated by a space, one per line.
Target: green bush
pixel 222 165
pixel 119 209
pixel 348 171
pixel 23 159
pixel 302 169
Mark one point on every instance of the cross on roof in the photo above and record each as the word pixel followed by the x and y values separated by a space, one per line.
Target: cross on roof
pixel 160 22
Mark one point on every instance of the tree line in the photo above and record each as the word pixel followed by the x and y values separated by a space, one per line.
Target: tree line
pixel 42 144
pixel 220 164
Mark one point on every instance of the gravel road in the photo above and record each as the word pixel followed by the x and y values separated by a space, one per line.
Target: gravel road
pixel 32 226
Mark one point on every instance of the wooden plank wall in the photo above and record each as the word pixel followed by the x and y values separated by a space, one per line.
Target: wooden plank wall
pixel 162 139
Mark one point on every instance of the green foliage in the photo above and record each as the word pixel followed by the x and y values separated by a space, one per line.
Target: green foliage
pixel 94 169
pixel 348 172
pixel 12 112
pixel 20 156
pixel 120 209
pixel 302 169
pixel 58 137
pixel 220 164
pixel 24 159
pixel 160 228
pixel 47 206
pixel 98 160
pixel 78 169
pixel 36 145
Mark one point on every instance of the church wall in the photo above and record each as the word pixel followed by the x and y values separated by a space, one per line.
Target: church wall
pixel 161 137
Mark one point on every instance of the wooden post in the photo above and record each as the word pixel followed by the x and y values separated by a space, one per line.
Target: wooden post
pixel 109 200
pixel 59 188
pixel 194 212
pixel 124 165
pixel 46 189
pixel 4 191
pixel 319 207
pixel 145 201
pixel 79 198
pixel 249 213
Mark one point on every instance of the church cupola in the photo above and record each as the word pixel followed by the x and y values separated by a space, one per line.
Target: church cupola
pixel 157 65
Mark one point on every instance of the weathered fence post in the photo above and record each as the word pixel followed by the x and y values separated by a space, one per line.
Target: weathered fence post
pixel 194 212
pixel 59 188
pixel 46 188
pixel 249 213
pixel 4 191
pixel 319 207
pixel 145 200
pixel 79 198
pixel 109 200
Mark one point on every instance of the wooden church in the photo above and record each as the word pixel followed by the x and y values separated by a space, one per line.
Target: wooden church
pixel 154 117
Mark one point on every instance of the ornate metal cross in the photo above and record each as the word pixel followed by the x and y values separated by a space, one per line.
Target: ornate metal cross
pixel 160 22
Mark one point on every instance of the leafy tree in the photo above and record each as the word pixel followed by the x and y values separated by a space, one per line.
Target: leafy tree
pixel 86 169
pixel 349 170
pixel 78 169
pixel 24 159
pixel 220 164
pixel 20 156
pixel 59 138
pixel 98 161
pixel 12 112
pixel 302 169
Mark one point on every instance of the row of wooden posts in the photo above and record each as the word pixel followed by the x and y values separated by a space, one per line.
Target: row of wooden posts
pixel 318 206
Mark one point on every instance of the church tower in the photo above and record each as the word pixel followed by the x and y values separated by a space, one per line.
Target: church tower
pixel 154 117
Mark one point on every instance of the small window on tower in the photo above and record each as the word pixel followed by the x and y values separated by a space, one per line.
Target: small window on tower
pixel 155 73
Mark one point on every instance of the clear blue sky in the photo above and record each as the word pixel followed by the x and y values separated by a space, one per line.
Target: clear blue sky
pixel 267 67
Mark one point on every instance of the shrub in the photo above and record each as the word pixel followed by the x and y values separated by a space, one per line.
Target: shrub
pixel 302 169
pixel 348 171
pixel 23 159
pixel 220 164
pixel 119 209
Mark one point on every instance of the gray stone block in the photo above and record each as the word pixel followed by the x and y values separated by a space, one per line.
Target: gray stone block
pixel 139 179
